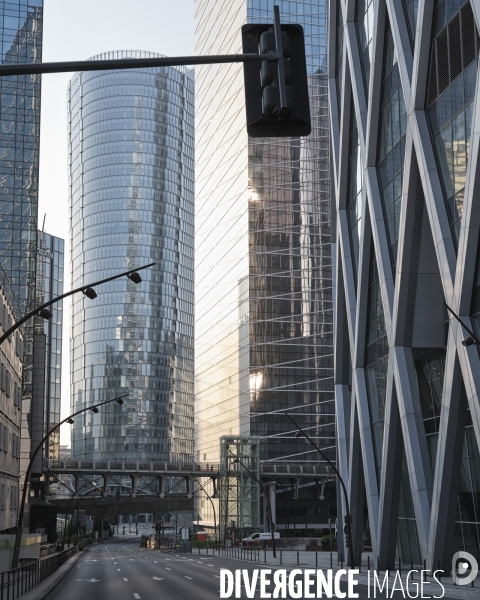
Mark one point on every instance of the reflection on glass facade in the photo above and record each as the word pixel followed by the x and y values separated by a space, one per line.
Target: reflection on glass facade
pixel 339 57
pixel 430 372
pixel 376 362
pixel 263 271
pixel 364 12
pixel 451 121
pixel 411 8
pixel 391 144
pixel 451 90
pixel 21 25
pixel 131 203
pixel 354 198
pixel 50 256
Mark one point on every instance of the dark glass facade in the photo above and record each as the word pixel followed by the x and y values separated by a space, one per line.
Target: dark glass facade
pixel 354 198
pixel 450 99
pixel 391 143
pixel 376 362
pixel 131 203
pixel 364 14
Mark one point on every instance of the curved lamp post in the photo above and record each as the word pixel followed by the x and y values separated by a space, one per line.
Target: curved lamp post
pixel 18 535
pixel 42 310
pixel 213 507
pixel 348 516
pixel 236 459
pixel 76 497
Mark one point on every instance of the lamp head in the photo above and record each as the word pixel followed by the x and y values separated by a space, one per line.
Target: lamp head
pixel 45 314
pixel 298 434
pixel 119 400
pixel 90 293
pixel 135 277
pixel 94 409
pixel 468 341
pixel 71 421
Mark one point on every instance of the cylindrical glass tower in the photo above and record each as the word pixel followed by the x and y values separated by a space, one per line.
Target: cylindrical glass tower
pixel 131 203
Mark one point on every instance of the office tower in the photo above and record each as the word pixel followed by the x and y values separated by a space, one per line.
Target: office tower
pixel 263 295
pixel 21 31
pixel 11 352
pixel 42 413
pixel 131 203
pixel 405 162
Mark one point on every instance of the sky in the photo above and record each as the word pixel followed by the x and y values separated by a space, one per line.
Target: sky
pixel 74 30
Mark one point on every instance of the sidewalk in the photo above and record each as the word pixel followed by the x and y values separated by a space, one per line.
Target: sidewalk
pixel 42 590
pixel 291 559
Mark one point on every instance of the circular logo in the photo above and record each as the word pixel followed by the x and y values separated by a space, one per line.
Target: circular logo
pixel 464 568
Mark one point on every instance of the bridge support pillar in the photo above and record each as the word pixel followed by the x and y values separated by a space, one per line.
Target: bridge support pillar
pixel 134 485
pixel 215 487
pixel 188 481
pixel 161 491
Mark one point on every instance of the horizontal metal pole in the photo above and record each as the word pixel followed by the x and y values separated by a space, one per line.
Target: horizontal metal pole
pixel 125 63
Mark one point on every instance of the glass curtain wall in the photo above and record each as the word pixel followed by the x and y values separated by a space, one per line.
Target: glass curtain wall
pixel 376 363
pixel 21 26
pixel 49 284
pixel 354 198
pixel 131 172
pixel 391 145
pixel 451 90
pixel 364 13
pixel 264 333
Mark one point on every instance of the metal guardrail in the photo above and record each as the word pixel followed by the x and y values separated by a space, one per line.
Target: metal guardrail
pixel 21 580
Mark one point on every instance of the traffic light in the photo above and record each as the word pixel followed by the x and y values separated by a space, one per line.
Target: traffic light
pixel 266 115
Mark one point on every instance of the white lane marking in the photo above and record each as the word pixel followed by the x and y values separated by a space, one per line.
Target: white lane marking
pixel 132 559
pixel 168 559
pixel 200 563
pixel 125 579
pixel 168 569
pixel 210 565
pixel 187 577
pixel 136 596
pixel 155 561
pixel 119 569
pixel 158 578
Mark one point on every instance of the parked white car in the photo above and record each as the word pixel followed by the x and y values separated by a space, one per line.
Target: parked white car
pixel 254 538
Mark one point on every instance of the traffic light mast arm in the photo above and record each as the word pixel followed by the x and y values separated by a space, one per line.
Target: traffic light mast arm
pixel 126 63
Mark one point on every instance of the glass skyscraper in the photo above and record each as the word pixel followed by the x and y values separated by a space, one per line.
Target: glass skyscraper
pixel 41 412
pixel 263 312
pixel 21 25
pixel 131 203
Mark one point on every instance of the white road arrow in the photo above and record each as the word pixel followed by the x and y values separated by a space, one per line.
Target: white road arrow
pixel 89 580
pixel 157 578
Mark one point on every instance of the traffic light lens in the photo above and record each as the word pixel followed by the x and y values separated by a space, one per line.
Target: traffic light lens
pixel 268 44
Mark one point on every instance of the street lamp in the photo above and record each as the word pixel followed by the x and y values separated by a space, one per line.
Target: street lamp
pixel 470 340
pixel 213 507
pixel 236 459
pixel 18 535
pixel 348 516
pixel 89 292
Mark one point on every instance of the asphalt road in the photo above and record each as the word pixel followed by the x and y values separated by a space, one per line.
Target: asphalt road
pixel 122 570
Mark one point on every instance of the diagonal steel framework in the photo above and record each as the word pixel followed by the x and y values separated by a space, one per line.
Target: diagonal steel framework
pixel 423 216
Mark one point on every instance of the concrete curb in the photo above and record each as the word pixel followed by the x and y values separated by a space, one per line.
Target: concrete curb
pixel 43 589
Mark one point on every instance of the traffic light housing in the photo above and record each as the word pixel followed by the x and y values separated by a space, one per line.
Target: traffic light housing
pixel 265 116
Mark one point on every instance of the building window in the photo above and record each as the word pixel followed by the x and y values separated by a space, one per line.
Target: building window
pixel 410 8
pixel 364 13
pixel 339 58
pixel 354 198
pixel 376 363
pixel 430 371
pixel 391 146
